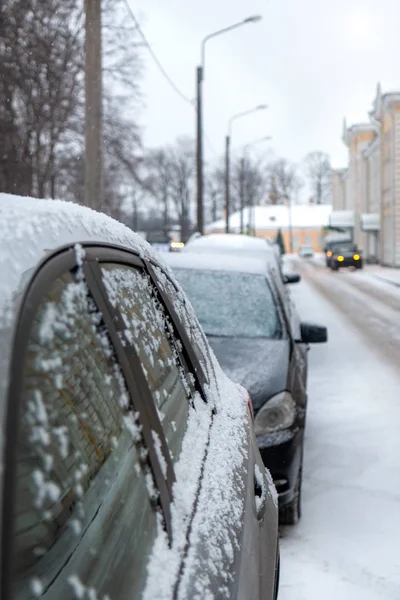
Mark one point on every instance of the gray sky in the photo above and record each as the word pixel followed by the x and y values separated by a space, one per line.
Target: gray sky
pixel 312 61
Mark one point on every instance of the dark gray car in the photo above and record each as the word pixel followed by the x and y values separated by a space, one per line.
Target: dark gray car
pixel 119 478
pixel 252 326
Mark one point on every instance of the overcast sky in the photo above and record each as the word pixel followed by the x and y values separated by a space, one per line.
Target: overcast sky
pixel 312 61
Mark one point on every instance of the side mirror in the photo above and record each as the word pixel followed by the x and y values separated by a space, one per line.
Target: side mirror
pixel 291 278
pixel 313 334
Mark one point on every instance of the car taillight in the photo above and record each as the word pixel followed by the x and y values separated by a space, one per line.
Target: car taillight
pixel 250 405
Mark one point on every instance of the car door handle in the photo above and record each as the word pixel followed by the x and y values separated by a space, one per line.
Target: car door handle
pixel 260 492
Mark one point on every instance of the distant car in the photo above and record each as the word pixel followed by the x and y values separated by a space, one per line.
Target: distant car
pixel 130 468
pixel 306 251
pixel 159 240
pixel 346 255
pixel 253 329
pixel 330 246
pixel 176 246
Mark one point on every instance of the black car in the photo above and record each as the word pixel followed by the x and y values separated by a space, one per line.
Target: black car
pixel 330 247
pixel 252 326
pixel 345 254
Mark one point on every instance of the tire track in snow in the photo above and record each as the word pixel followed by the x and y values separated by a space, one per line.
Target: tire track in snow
pixel 375 315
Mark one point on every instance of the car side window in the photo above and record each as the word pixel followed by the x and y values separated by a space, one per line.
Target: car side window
pixel 188 318
pixel 149 331
pixel 84 514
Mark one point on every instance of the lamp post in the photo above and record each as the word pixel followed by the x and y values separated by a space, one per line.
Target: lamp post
pixel 199 116
pixel 227 157
pixel 242 185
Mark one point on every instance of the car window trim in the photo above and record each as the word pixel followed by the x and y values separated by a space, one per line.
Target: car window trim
pixel 203 336
pixel 194 364
pixel 281 303
pixel 137 385
pixel 116 254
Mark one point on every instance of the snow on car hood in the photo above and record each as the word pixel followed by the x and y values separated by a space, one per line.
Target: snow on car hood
pixel 259 365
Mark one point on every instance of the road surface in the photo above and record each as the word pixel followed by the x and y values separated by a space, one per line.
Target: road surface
pixel 347 544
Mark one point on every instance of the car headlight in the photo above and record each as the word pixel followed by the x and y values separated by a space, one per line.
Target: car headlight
pixel 276 414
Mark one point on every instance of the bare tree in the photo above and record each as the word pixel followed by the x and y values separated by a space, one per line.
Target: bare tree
pixel 249 181
pixel 158 180
pixel 319 173
pixel 215 192
pixel 284 181
pixel 182 160
pixel 41 99
pixel 40 79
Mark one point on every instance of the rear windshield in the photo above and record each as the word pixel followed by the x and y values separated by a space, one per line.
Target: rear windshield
pixel 231 304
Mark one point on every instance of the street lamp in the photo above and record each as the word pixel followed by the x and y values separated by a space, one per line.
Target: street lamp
pixel 227 158
pixel 241 186
pixel 199 115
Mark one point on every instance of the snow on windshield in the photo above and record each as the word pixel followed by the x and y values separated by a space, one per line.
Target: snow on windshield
pixel 231 304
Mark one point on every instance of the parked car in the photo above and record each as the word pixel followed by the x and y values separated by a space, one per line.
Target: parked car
pixel 130 468
pixel 346 255
pixel 242 245
pixel 255 333
pixel 306 251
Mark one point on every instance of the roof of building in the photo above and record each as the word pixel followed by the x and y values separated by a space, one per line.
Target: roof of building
pixel 277 217
pixel 383 101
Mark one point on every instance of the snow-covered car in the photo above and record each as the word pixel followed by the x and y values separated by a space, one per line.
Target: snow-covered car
pixel 129 465
pixel 254 330
pixel 242 245
pixel 306 252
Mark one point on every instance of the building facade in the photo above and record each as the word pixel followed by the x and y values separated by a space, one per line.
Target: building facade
pixel 368 190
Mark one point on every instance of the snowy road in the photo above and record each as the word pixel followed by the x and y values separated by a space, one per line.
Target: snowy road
pixel 347 544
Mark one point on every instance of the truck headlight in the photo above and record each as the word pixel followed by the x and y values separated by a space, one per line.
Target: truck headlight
pixel 276 414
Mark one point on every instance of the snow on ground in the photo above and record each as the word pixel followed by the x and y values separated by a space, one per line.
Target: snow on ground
pixel 373 272
pixel 346 546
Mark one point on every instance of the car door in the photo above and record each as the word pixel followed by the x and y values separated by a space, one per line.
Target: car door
pixel 100 420
pixel 82 505
pixel 246 570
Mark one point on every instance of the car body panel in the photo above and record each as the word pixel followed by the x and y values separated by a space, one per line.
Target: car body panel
pixel 37 230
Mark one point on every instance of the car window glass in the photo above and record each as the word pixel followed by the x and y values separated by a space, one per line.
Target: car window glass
pixel 147 329
pixel 231 304
pixel 84 517
pixel 187 317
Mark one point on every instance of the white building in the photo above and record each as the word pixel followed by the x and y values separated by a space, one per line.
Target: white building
pixel 306 221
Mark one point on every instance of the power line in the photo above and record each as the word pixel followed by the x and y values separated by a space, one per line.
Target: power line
pixel 155 58
pixel 165 74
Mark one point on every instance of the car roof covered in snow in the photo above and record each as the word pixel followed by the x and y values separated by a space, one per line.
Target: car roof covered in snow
pixel 31 228
pixel 228 242
pixel 210 261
